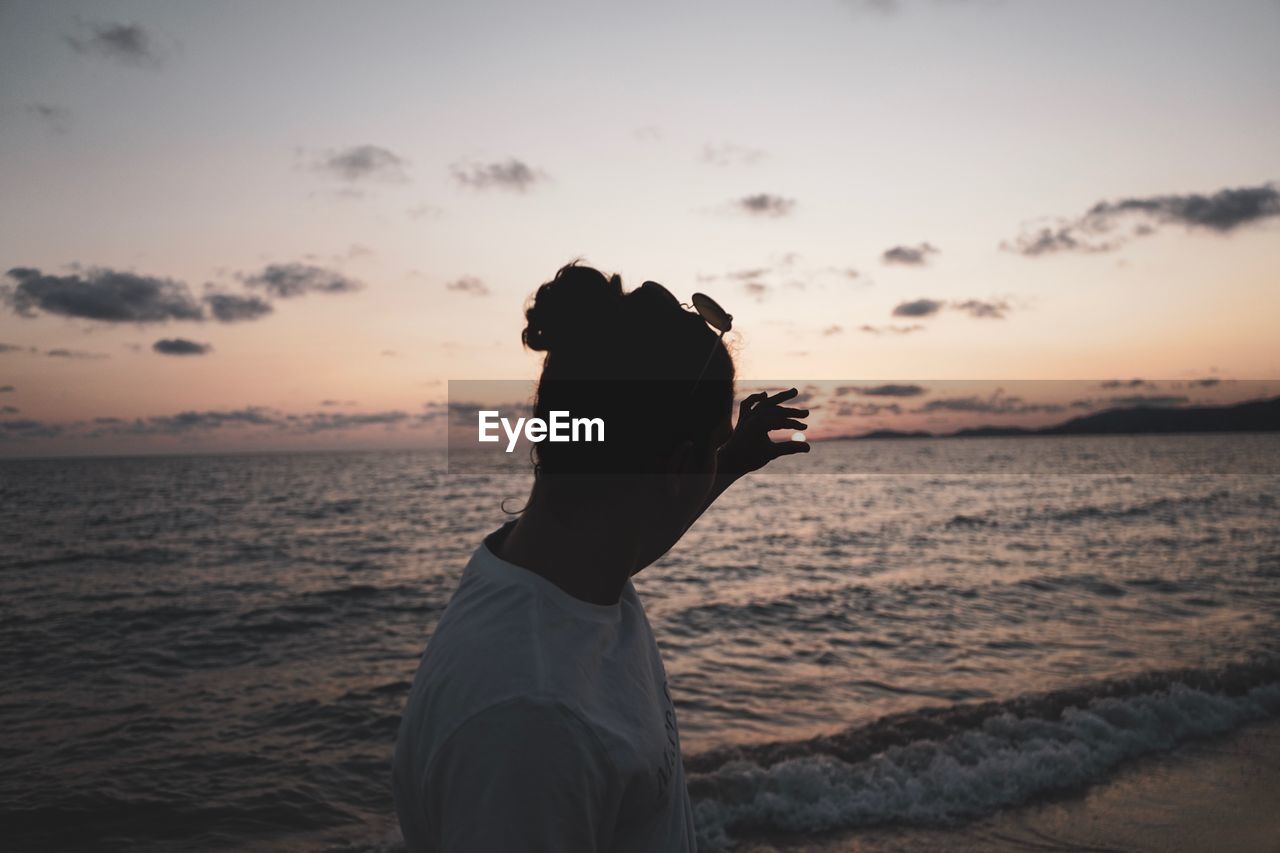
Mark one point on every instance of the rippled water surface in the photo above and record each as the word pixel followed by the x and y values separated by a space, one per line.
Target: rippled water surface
pixel 214 651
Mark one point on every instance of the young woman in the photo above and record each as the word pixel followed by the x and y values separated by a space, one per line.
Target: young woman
pixel 540 717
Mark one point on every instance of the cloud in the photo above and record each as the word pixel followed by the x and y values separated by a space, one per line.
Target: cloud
pixel 7 389
pixel 1060 238
pixel 27 428
pixel 1126 383
pixel 54 118
pixel 180 346
pixel 102 294
pixel 912 256
pixel 468 284
pixel 1205 383
pixel 234 308
pixel 755 289
pixel 997 404
pixel 512 175
pixel 894 330
pixel 57 352
pixel 285 281
pixel 888 390
pixel 918 308
pixel 867 410
pixel 1097 229
pixel 424 211
pixel 978 308
pixel 337 402
pixel 364 163
pixel 728 154
pixel 765 204
pixel 9 410
pixel 832 330
pixel 129 44
pixel 923 307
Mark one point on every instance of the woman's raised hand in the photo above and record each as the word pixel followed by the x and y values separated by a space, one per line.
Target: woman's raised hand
pixel 750 447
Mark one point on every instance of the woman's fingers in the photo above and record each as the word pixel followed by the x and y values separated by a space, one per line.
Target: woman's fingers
pixel 790 423
pixel 782 396
pixel 786 448
pixel 745 407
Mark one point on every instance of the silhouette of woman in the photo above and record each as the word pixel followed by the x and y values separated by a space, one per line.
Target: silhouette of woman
pixel 540 716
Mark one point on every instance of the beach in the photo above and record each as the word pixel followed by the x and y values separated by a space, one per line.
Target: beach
pixel 1214 794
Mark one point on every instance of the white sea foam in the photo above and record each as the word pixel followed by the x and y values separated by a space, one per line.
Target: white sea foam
pixel 1006 761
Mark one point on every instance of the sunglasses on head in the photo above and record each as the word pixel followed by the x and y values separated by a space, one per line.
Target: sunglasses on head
pixel 718 319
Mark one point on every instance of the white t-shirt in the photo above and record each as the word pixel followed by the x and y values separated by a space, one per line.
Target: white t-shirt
pixel 538 721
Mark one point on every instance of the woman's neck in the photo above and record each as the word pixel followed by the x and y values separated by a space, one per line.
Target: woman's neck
pixel 573 546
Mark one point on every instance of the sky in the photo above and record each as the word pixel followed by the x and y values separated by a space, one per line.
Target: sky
pixel 245 225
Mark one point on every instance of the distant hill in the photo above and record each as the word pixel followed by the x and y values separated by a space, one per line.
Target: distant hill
pixel 1253 416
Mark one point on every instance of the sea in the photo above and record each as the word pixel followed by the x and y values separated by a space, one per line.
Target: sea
pixel 212 652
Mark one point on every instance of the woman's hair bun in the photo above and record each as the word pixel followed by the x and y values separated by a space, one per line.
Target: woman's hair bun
pixel 573 310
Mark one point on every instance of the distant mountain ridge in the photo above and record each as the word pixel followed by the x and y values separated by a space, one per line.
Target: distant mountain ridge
pixel 1251 416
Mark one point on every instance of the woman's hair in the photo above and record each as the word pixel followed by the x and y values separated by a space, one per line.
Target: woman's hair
pixel 636 360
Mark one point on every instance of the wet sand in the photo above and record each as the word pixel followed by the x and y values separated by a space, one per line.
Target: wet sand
pixel 1221 794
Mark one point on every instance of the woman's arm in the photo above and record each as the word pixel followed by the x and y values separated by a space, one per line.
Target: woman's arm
pixel 750 448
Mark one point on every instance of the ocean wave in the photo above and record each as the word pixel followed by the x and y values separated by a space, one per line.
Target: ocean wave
pixel 942 765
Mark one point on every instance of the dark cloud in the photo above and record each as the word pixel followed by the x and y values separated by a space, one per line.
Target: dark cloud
pixel 1060 238
pixel 9 410
pixel 997 404
pixel 755 289
pixel 329 421
pixel 130 44
pixel 284 281
pixel 180 346
pixel 54 118
pixel 765 204
pixel 887 390
pixel 1223 211
pixel 1126 383
pixel 337 402
pixel 107 295
pixel 893 330
pixel 912 256
pixel 728 154
pixel 867 410
pixel 468 284
pixel 363 163
pixel 979 308
pixel 510 175
pixel 1097 230
pixel 27 428
pixel 52 353
pixel 7 389
pixel 918 308
pixel 235 308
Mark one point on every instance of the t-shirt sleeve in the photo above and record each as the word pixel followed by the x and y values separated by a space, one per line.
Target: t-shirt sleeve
pixel 522 776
